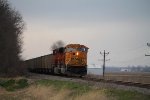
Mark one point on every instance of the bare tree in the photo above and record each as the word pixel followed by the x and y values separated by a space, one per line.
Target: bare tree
pixel 11 28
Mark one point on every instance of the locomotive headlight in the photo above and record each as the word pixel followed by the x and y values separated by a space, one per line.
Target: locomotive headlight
pixel 77 53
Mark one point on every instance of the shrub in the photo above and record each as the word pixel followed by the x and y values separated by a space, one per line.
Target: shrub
pixel 12 85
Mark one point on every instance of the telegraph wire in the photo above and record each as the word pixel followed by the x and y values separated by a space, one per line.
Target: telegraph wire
pixel 132 59
pixel 135 58
pixel 131 50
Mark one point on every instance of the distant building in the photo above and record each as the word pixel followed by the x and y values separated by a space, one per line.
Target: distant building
pixel 125 70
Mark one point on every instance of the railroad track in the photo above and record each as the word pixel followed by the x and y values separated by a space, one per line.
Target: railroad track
pixel 118 82
pixel 126 83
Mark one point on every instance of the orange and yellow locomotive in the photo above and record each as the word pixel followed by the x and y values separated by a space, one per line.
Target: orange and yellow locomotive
pixel 71 59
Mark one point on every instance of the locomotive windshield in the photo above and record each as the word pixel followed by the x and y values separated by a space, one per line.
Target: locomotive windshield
pixel 78 49
pixel 70 49
pixel 83 49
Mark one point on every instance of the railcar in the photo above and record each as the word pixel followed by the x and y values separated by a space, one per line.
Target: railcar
pixel 68 60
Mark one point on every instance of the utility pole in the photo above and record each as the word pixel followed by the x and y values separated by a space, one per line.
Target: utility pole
pixel 104 60
pixel 148 44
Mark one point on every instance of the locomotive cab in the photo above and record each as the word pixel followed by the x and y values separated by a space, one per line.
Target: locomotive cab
pixel 76 58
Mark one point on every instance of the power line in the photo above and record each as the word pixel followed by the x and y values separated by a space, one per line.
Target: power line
pixel 131 59
pixel 134 50
pixel 104 54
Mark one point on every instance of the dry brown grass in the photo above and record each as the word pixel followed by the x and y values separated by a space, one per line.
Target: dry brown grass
pixel 47 93
pixel 40 92
pixel 92 95
pixel 50 93
pixel 2 90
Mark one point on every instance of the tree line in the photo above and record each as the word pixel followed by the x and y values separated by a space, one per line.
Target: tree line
pixel 11 29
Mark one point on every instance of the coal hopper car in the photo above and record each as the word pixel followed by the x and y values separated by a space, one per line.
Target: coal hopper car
pixel 68 60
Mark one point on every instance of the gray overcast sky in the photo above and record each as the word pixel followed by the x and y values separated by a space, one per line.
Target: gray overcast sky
pixel 121 27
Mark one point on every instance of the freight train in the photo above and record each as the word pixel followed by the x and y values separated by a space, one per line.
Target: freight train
pixel 68 60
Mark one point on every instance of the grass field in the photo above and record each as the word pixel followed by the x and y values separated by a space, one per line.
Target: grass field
pixel 61 90
pixel 138 77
